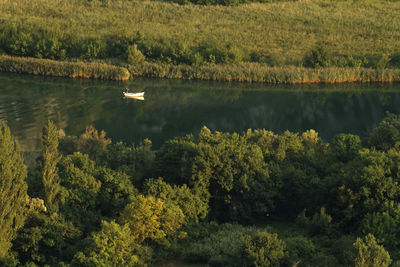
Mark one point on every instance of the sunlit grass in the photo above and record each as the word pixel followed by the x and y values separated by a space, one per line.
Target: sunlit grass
pixel 285 29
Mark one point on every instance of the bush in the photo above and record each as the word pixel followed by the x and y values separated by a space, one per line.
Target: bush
pixel 342 249
pixel 113 245
pixel 346 146
pixel 269 60
pixel 93 48
pixel 348 61
pixel 387 134
pixel 91 142
pixel 300 249
pixel 384 227
pixel 395 60
pixel 191 205
pixel 370 253
pixel 214 52
pixel 382 62
pixel 262 249
pixel 225 246
pixel 134 55
pixel 318 57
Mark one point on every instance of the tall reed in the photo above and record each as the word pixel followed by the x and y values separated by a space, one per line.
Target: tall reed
pixel 46 67
pixel 254 72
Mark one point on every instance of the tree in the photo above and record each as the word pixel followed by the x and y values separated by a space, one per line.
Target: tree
pixel 221 168
pixel 370 253
pixel 367 184
pixel 191 205
pixel 49 160
pixel 386 134
pixel 151 218
pixel 262 249
pixel 346 146
pixel 300 249
pixel 296 165
pixel 136 161
pixel 46 239
pixel 115 192
pixel 13 189
pixel 384 226
pixel 113 245
pixel 90 142
pixel 81 191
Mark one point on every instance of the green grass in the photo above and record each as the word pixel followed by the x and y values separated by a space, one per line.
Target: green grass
pixel 288 29
pixel 283 31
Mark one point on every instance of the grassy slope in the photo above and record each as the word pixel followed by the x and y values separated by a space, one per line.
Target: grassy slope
pixel 286 30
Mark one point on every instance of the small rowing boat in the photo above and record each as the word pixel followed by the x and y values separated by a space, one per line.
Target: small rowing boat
pixel 134 95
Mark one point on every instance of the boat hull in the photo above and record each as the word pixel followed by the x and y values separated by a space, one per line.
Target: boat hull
pixel 133 95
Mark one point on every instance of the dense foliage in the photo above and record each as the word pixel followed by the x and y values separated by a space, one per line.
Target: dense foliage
pixel 223 199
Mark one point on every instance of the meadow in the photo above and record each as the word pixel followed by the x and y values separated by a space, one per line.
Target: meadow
pixel 313 34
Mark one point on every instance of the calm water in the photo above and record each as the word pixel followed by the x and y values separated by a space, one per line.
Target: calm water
pixel 175 108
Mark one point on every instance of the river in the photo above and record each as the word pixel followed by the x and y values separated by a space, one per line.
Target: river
pixel 175 108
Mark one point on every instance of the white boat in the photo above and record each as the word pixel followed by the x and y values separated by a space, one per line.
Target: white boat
pixel 133 95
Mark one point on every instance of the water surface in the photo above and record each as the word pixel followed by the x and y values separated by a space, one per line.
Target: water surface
pixel 175 108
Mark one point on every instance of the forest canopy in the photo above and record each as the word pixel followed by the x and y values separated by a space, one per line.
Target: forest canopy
pixel 224 199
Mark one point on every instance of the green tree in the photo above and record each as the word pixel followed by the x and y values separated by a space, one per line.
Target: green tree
pixel 151 218
pixel 384 226
pixel 223 169
pixel 262 249
pixel 346 146
pixel 367 184
pixel 46 239
pixel 296 165
pixel 81 191
pixel 370 253
pixel 386 134
pixel 240 185
pixel 136 161
pixel 220 245
pixel 115 192
pixel 48 165
pixel 190 204
pixel 91 142
pixel 13 189
pixel 113 245
pixel 300 250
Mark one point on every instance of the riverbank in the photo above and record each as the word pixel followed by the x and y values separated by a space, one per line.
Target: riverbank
pixel 240 72
pixel 255 72
pixel 46 67
pixel 337 41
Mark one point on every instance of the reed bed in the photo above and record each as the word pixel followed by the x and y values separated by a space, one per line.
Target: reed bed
pixel 254 72
pixel 46 67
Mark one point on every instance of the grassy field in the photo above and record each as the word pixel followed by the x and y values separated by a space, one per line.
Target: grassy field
pixel 282 32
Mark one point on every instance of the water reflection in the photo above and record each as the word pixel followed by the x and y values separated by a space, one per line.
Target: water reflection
pixel 174 108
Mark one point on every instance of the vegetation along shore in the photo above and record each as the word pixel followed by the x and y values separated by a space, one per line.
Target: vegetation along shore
pixel 250 41
pixel 213 199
